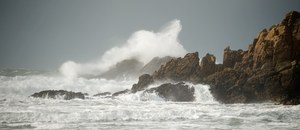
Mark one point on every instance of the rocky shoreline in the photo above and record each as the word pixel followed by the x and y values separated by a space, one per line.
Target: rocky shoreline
pixel 269 70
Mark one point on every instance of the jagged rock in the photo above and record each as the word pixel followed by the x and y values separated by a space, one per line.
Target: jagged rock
pixel 268 70
pixel 223 86
pixel 231 57
pixel 58 94
pixel 121 92
pixel 208 65
pixel 155 64
pixel 123 69
pixel 174 92
pixel 180 69
pixel 102 94
pixel 144 81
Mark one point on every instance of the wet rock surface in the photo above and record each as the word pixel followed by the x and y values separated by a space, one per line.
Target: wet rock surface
pixel 144 81
pixel 174 92
pixel 121 92
pixel 58 94
pixel 102 94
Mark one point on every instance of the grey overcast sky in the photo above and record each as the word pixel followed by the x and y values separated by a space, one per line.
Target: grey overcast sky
pixel 42 34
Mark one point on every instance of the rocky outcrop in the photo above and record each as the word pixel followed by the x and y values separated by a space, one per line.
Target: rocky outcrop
pixel 231 57
pixel 267 71
pixel 144 81
pixel 58 94
pixel 174 92
pixel 180 69
pixel 208 66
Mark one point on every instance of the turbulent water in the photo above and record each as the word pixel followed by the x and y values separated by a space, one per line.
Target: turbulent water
pixel 130 111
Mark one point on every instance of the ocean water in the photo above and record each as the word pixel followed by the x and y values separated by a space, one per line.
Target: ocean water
pixel 129 111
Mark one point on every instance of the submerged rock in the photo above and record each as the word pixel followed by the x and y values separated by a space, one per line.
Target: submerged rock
pixel 174 92
pixel 58 94
pixel 121 92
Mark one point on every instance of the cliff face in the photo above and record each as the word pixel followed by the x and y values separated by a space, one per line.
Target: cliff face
pixel 268 71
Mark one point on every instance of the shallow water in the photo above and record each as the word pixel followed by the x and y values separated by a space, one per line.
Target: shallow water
pixel 131 111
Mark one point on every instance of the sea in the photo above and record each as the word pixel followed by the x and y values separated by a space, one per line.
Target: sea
pixel 129 111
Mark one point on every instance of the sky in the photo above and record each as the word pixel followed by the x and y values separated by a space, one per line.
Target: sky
pixel 43 34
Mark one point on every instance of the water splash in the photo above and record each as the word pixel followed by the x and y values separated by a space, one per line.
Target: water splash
pixel 142 45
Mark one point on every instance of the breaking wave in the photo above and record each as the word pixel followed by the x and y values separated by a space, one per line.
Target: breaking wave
pixel 142 45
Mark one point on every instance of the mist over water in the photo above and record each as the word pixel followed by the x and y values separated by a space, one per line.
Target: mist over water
pixel 142 45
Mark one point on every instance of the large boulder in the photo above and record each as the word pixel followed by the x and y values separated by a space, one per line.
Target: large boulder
pixel 174 92
pixel 180 69
pixel 58 94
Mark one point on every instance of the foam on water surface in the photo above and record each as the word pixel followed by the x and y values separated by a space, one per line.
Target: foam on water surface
pixel 128 111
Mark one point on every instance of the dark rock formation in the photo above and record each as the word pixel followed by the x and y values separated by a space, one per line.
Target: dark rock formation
pixel 144 81
pixel 102 94
pixel 231 57
pixel 174 92
pixel 121 92
pixel 208 66
pixel 155 64
pixel 58 94
pixel 180 69
pixel 268 70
